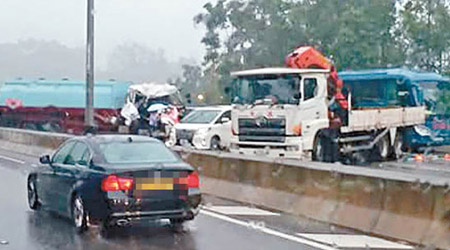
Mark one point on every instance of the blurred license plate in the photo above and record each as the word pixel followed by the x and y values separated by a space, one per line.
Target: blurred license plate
pixel 184 142
pixel 260 152
pixel 154 184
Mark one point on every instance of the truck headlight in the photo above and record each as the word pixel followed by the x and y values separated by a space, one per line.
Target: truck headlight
pixel 297 129
pixel 422 130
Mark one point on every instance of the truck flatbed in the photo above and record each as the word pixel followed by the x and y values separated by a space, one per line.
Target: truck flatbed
pixel 379 118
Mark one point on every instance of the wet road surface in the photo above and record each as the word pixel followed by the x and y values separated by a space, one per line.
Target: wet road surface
pixel 213 228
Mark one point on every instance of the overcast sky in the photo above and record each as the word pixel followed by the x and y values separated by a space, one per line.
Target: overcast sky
pixel 165 24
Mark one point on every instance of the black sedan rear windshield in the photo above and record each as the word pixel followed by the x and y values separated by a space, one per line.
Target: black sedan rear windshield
pixel 136 153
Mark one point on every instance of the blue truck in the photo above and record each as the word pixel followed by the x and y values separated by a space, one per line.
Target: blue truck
pixel 403 87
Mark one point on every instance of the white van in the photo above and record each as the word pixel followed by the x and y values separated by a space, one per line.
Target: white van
pixel 205 128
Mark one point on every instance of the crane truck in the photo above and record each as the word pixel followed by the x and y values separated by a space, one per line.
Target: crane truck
pixel 304 111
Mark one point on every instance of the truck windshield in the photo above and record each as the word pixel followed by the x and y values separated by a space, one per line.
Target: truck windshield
pixel 430 90
pixel 275 89
pixel 431 94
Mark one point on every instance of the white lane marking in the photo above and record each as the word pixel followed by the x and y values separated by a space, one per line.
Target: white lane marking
pixel 268 231
pixel 353 241
pixel 239 210
pixel 11 159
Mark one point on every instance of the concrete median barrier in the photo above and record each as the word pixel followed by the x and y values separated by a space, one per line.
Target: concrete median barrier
pixel 396 205
pixel 30 142
pixel 438 233
pixel 35 138
pixel 400 205
pixel 407 210
pixel 360 202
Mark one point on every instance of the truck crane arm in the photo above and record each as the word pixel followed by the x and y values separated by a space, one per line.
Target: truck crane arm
pixel 307 57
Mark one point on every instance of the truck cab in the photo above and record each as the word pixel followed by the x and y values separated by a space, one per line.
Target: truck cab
pixel 278 111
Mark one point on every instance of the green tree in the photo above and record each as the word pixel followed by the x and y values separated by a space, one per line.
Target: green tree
pixel 246 34
pixel 357 33
pixel 190 82
pixel 426 25
pixel 443 101
pixel 426 29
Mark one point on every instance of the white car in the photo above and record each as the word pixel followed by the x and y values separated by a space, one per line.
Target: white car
pixel 205 128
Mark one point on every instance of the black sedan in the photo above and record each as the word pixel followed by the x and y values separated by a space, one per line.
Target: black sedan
pixel 115 180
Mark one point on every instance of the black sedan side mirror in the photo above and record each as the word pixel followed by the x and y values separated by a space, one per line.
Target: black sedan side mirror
pixel 45 159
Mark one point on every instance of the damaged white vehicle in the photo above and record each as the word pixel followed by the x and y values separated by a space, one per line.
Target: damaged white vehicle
pixel 152 108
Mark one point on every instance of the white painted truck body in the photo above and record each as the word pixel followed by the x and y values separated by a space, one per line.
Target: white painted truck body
pixel 377 118
pixel 312 116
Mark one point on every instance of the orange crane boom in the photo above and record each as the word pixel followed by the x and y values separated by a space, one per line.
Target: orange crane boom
pixel 307 57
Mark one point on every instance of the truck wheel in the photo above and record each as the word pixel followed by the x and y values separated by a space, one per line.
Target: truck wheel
pixel 318 153
pixel 30 126
pixel 361 157
pixel 50 127
pixel 383 148
pixel 399 148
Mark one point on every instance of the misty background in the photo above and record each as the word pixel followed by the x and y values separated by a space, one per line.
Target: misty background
pixel 135 40
pixel 195 44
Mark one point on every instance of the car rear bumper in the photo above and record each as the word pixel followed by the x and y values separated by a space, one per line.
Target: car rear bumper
pixel 185 214
pixel 115 209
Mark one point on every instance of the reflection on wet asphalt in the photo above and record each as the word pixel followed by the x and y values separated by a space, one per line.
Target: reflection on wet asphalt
pixel 157 236
pixel 25 229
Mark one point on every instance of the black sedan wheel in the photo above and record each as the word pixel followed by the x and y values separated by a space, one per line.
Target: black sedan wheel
pixel 33 202
pixel 79 216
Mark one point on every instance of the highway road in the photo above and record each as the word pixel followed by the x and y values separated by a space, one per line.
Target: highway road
pixel 221 224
